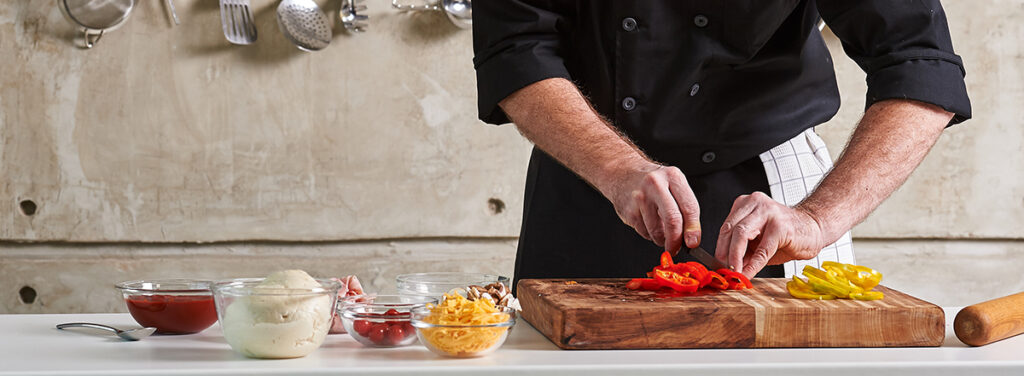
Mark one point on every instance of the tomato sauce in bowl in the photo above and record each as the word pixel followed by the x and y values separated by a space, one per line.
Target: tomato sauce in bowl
pixel 173 306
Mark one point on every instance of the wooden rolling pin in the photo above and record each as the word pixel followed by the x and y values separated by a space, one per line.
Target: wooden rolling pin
pixel 990 321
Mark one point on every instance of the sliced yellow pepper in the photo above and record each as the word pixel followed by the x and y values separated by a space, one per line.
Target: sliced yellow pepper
pixel 822 285
pixel 810 270
pixel 867 295
pixel 798 292
pixel 837 280
pixel 861 276
pixel 838 277
pixel 869 278
pixel 801 284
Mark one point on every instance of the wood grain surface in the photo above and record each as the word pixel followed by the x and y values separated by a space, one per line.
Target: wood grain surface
pixel 603 314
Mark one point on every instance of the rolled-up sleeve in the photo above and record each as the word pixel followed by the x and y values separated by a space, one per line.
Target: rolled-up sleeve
pixel 904 47
pixel 515 43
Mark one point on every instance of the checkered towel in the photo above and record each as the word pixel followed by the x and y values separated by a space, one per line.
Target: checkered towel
pixel 794 169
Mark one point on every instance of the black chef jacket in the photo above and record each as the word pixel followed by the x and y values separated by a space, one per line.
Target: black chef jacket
pixel 702 85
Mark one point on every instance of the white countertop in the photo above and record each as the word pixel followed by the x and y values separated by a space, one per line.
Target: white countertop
pixel 29 344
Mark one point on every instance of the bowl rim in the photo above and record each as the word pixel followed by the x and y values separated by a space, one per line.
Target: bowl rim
pixel 346 308
pixel 418 323
pixel 245 287
pixel 484 278
pixel 127 286
pixel 349 300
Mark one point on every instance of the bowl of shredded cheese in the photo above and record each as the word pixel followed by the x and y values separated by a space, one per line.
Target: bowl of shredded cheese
pixel 461 328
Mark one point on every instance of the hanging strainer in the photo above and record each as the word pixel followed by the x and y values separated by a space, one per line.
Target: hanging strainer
pixel 304 24
pixel 95 17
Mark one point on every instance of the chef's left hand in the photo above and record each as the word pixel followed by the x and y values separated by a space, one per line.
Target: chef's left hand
pixel 760 231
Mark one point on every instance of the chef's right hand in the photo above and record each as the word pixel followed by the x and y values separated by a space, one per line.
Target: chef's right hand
pixel 658 203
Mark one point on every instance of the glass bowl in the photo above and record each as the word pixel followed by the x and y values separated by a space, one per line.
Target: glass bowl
pixel 381 320
pixel 172 306
pixel 437 283
pixel 463 341
pixel 262 322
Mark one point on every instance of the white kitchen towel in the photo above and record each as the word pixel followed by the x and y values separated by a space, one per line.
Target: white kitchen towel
pixel 794 170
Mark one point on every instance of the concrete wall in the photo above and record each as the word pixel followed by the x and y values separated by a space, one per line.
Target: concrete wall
pixel 366 158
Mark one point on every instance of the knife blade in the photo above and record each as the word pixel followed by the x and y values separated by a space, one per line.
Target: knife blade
pixel 707 259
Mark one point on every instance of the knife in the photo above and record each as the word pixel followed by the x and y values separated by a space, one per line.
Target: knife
pixel 706 258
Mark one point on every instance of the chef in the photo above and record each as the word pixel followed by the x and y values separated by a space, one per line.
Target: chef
pixel 663 124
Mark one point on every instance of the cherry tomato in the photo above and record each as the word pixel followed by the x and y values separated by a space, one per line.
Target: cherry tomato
pixel 378 333
pixel 362 327
pixel 409 329
pixel 392 313
pixel 396 334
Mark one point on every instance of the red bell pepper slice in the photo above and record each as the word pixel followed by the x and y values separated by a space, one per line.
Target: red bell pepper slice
pixel 700 272
pixel 717 281
pixel 689 270
pixel 676 281
pixel 666 260
pixel 736 280
pixel 643 284
pixel 633 284
pixel 697 265
pixel 649 284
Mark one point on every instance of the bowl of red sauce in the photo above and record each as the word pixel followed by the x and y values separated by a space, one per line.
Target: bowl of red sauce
pixel 172 306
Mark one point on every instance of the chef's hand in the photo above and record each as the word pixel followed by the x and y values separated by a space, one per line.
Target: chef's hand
pixel 658 203
pixel 760 231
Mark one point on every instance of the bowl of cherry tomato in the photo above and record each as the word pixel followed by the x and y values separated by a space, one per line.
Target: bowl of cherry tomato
pixel 381 320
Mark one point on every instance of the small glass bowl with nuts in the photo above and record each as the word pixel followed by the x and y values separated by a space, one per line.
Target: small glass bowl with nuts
pixel 496 292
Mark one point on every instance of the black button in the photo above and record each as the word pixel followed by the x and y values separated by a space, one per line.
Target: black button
pixel 694 89
pixel 700 20
pixel 628 24
pixel 628 103
pixel 708 157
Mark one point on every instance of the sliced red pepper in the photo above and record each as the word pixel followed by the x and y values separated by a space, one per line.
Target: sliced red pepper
pixel 689 270
pixel 649 284
pixel 676 281
pixel 666 260
pixel 700 272
pixel 735 279
pixel 717 281
pixel 643 284
pixel 738 286
pixel 633 284
pixel 698 266
pixel 680 269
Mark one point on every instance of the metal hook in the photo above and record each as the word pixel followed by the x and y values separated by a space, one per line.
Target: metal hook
pixel 89 41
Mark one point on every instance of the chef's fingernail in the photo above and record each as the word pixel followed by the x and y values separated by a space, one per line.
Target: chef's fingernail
pixel 690 239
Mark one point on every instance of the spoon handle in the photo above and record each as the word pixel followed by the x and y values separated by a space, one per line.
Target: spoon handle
pixel 87 325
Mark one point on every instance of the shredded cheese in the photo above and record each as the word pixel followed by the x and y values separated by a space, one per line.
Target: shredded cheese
pixel 455 310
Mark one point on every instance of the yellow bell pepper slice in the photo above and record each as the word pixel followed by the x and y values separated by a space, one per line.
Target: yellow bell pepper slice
pixel 838 277
pixel 861 276
pixel 798 292
pixel 819 282
pixel 836 280
pixel 801 284
pixel 869 278
pixel 867 295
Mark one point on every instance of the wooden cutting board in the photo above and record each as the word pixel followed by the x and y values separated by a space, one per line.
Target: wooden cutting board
pixel 603 314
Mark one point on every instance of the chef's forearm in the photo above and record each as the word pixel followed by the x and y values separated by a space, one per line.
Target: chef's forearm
pixel 891 140
pixel 555 116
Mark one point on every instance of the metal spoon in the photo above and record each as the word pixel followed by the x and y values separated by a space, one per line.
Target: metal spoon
pixel 127 335
pixel 460 12
pixel 304 24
